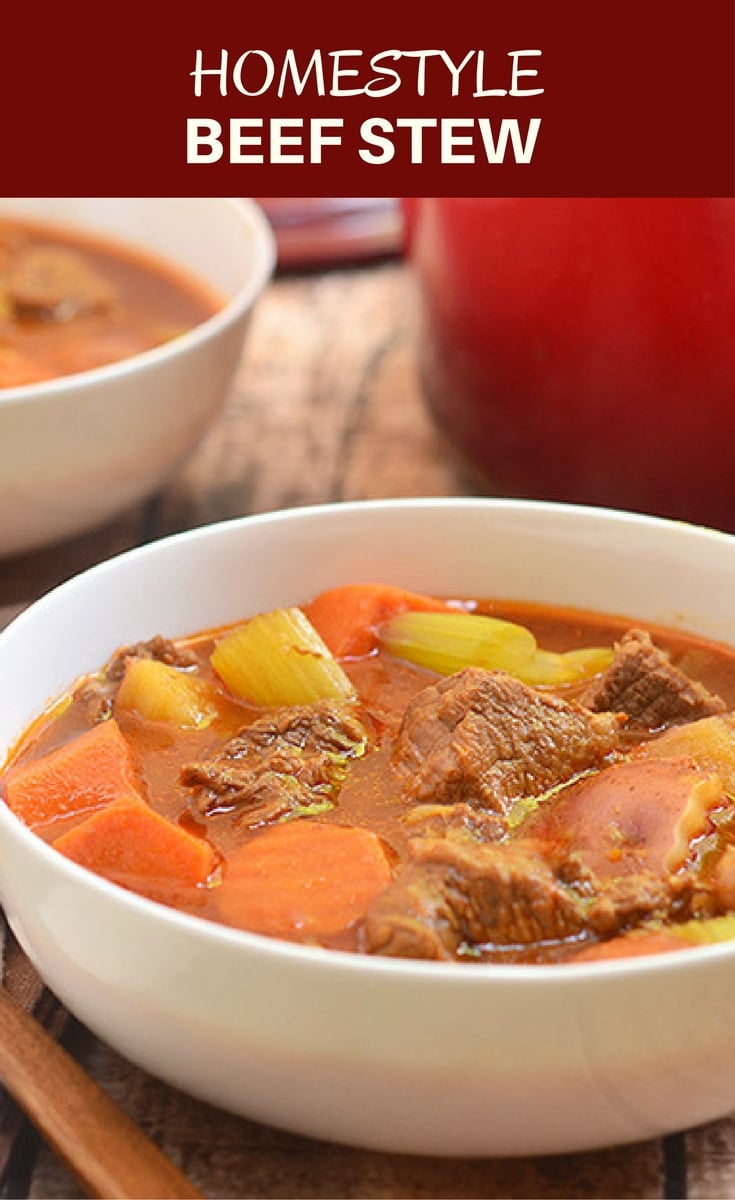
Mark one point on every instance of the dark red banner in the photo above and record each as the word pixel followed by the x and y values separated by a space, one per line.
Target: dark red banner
pixel 519 97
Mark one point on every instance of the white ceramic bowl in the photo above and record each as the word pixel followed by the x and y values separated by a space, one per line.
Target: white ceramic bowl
pixel 79 449
pixel 419 1057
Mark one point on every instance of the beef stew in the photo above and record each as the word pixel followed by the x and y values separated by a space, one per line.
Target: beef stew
pixel 388 773
pixel 70 302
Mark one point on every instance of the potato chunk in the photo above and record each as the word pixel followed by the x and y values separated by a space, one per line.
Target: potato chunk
pixel 159 692
pixel 632 816
pixel 709 742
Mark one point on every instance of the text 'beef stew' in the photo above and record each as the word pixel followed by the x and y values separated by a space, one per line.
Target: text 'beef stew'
pixel 389 773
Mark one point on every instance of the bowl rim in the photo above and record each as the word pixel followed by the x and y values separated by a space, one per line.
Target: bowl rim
pixel 254 222
pixel 242 942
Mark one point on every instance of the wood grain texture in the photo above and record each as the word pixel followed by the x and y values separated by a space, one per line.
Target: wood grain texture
pixel 108 1152
pixel 327 407
pixel 27 576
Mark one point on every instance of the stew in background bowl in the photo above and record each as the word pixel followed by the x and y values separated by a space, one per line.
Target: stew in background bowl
pixel 70 302
pixel 79 447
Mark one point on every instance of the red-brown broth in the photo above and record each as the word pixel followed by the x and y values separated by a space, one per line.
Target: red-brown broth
pixel 369 796
pixel 151 303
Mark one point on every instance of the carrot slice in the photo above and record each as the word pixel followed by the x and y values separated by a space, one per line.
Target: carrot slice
pixel 85 774
pixel 130 844
pixel 347 616
pixel 630 946
pixel 303 879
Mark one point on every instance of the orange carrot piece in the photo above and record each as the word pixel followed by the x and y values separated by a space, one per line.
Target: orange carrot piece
pixel 304 879
pixel 85 774
pixel 630 947
pixel 130 844
pixel 346 617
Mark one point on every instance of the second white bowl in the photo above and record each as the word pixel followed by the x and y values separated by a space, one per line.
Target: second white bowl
pixel 79 449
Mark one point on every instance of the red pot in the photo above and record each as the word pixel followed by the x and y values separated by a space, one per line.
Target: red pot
pixel 584 349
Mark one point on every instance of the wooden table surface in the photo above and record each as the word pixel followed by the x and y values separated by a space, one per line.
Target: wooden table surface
pixel 326 407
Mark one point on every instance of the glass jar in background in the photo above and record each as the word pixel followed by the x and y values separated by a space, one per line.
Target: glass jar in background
pixel 583 350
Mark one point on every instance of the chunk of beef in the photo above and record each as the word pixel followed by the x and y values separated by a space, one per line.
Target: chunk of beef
pixel 53 283
pixel 505 898
pixel 157 647
pixel 11 241
pixel 486 738
pixel 96 696
pixel 644 683
pixel 627 901
pixel 292 758
pixel 453 894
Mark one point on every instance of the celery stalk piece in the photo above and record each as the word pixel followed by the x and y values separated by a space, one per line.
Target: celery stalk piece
pixel 572 666
pixel 278 658
pixel 448 642
pixel 159 692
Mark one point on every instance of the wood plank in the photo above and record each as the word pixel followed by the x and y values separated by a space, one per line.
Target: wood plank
pixel 710 1153
pixel 108 1152
pixel 326 407
pixel 25 577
